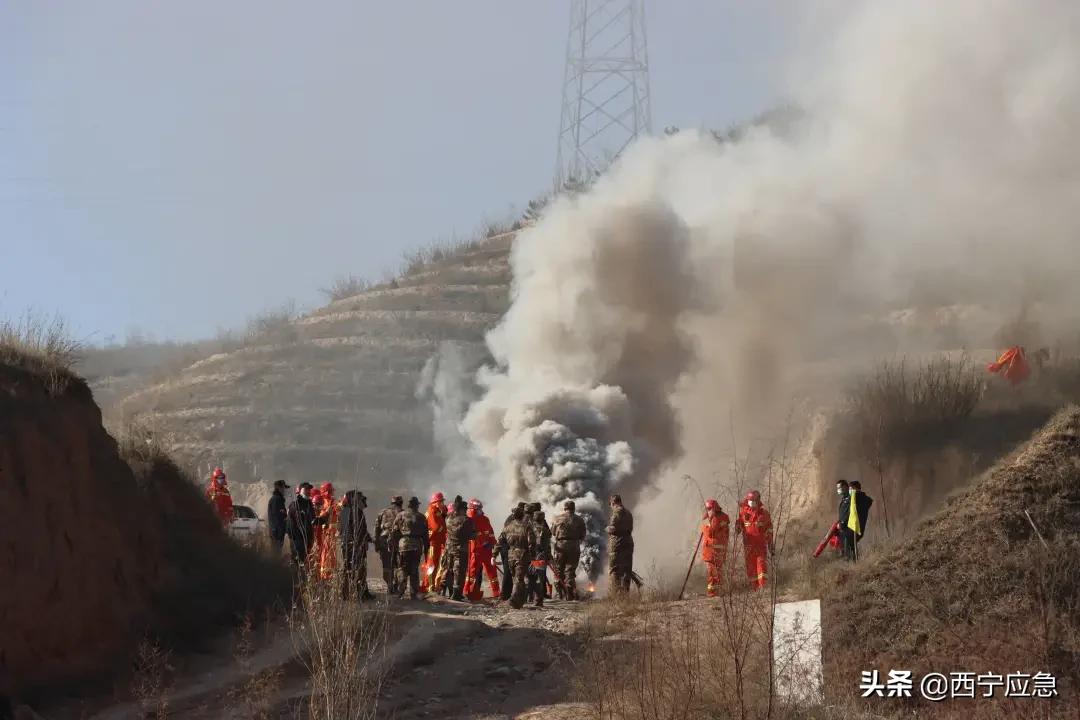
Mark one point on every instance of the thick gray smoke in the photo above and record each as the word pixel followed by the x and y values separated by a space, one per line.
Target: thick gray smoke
pixel 935 166
pixel 447 386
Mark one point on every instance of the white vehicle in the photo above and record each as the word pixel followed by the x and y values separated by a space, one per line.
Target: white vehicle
pixel 245 522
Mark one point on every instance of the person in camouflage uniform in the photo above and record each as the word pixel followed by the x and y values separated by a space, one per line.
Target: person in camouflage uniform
pixel 517 538
pixel 620 546
pixel 460 529
pixel 507 587
pixel 384 544
pixel 568 532
pixel 410 534
pixel 540 555
pixel 354 545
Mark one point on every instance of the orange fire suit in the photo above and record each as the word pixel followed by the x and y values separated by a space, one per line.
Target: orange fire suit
pixel 480 549
pixel 714 545
pixel 327 539
pixel 755 524
pixel 220 497
pixel 436 523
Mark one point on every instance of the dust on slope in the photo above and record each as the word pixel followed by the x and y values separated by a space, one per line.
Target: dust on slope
pixel 975 588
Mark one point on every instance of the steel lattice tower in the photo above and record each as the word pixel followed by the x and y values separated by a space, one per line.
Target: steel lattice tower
pixel 605 103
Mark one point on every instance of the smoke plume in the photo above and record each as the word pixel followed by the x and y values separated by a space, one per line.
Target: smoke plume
pixel 933 164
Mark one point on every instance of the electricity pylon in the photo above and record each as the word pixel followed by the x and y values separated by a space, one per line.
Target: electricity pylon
pixel 605 104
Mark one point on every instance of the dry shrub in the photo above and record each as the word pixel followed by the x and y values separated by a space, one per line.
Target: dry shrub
pixel 343 645
pixel 254 698
pixel 346 286
pixel 150 680
pixel 43 346
pixel 902 405
pixel 273 324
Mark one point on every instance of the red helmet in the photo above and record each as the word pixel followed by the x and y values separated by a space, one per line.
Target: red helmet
pixel 711 504
pixel 315 494
pixel 475 504
pixel 327 488
pixel 753 495
pixel 218 474
pixel 438 497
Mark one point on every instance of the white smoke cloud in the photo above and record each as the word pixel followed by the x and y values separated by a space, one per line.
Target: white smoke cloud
pixel 935 163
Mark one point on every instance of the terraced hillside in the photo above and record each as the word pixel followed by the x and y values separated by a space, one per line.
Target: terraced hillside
pixel 332 396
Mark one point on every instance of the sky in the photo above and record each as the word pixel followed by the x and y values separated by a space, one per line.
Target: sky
pixel 173 168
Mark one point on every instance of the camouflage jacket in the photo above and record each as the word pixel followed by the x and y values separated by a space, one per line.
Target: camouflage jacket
pixel 568 531
pixel 620 530
pixel 517 536
pixel 541 537
pixel 384 525
pixel 460 529
pixel 410 531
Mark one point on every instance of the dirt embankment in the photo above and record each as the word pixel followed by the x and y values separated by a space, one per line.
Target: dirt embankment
pixel 80 557
pixel 102 546
pixel 991 583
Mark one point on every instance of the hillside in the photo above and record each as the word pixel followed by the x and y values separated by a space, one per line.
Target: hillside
pixel 976 578
pixel 105 546
pixel 332 394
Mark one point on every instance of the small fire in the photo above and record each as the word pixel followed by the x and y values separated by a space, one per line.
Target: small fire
pixel 592 588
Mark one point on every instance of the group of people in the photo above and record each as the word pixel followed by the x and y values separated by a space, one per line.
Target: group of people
pixel 853 514
pixel 452 548
pixel 753 525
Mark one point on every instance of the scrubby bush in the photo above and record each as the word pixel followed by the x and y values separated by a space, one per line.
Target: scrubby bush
pixel 42 345
pixel 901 404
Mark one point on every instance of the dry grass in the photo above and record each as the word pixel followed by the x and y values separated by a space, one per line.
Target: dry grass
pixel 254 697
pixel 346 286
pixel 976 589
pixel 151 668
pixel 343 645
pixel 43 346
pixel 903 405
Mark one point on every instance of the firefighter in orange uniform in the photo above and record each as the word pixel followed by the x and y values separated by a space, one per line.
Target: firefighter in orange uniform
pixel 219 496
pixel 328 517
pixel 714 540
pixel 480 550
pixel 755 525
pixel 436 523
pixel 315 552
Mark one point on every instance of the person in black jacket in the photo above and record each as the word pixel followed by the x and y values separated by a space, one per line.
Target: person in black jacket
pixel 847 537
pixel 300 526
pixel 275 515
pixel 355 539
pixel 862 510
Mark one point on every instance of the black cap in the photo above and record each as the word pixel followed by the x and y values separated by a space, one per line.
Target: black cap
pixel 306 486
pixel 414 502
pixel 395 500
pixel 569 505
pixel 532 507
pixel 280 485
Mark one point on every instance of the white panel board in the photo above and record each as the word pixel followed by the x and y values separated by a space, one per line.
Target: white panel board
pixel 797 652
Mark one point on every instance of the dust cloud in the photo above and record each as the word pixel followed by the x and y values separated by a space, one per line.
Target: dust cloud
pixel 687 296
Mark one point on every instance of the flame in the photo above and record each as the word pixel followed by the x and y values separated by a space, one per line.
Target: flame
pixel 430 570
pixel 592 588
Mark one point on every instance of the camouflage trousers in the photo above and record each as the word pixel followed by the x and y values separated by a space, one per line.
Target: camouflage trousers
pixel 457 567
pixel 620 568
pixel 355 575
pixel 408 572
pixel 517 570
pixel 565 569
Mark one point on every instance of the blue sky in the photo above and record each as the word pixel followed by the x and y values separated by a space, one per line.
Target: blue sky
pixel 178 166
